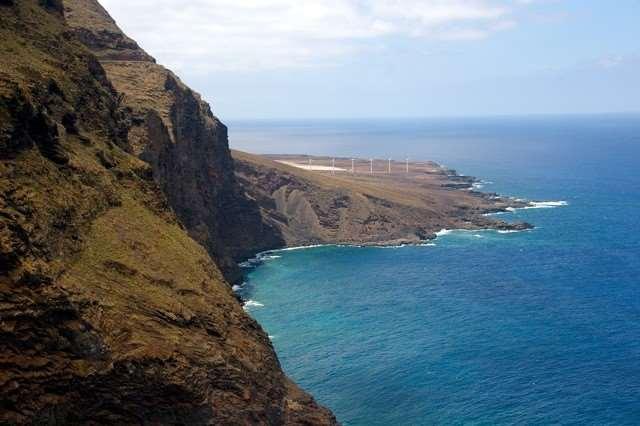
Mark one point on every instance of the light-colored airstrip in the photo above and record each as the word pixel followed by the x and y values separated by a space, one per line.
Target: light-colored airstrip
pixel 312 167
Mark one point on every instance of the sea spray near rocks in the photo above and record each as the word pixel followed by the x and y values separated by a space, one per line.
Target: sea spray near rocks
pixel 546 204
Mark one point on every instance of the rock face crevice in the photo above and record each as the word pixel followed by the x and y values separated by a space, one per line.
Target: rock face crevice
pixel 110 312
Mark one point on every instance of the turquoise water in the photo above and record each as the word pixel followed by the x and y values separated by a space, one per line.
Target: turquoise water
pixel 539 327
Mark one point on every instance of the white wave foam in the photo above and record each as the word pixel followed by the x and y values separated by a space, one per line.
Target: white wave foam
pixel 480 184
pixel 442 232
pixel 536 205
pixel 531 205
pixel 303 247
pixel 267 256
pixel 425 243
pixel 545 204
pixel 252 304
pixel 258 259
pixel 236 288
pixel 477 235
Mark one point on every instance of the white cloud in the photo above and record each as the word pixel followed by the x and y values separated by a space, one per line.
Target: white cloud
pixel 266 34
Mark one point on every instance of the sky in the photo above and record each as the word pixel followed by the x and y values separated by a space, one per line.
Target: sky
pixel 301 59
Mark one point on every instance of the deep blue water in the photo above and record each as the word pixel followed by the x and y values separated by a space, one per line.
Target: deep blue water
pixel 539 327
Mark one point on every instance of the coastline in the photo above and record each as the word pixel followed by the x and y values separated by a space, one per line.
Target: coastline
pixel 259 258
pixel 494 204
pixel 405 205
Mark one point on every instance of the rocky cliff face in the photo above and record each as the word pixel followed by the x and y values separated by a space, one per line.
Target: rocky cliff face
pixel 110 313
pixel 174 130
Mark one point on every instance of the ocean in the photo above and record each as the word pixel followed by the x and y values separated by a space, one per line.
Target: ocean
pixel 537 327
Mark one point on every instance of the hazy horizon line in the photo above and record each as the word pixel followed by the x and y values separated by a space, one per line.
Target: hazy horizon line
pixel 432 117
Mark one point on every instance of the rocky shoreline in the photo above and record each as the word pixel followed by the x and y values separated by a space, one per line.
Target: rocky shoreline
pixel 270 167
pixel 501 204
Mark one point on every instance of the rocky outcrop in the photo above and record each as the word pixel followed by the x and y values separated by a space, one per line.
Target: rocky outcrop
pixel 110 313
pixel 174 130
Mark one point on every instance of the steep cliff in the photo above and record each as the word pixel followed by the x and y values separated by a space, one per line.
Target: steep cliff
pixel 174 130
pixel 109 311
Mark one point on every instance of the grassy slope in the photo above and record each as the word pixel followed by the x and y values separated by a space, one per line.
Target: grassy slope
pixel 109 311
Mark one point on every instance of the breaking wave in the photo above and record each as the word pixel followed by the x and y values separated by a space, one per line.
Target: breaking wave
pixel 545 204
pixel 252 304
pixel 303 247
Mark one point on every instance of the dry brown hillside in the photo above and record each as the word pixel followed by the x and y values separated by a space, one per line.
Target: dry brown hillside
pixel 312 207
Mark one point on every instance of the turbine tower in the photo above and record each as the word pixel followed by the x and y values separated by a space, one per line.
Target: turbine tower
pixel 353 166
pixel 389 167
pixel 371 166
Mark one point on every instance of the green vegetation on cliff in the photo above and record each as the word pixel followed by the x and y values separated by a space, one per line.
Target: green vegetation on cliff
pixel 109 311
